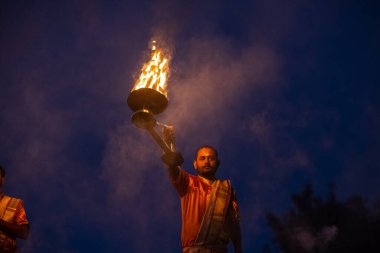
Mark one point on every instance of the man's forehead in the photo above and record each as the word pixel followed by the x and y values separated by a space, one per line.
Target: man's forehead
pixel 206 152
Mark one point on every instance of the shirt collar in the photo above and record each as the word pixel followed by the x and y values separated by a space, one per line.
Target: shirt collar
pixel 207 181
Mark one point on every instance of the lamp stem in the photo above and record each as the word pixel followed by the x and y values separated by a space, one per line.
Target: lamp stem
pixel 164 146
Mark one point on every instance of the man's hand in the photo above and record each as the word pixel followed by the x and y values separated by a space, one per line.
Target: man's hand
pixel 172 159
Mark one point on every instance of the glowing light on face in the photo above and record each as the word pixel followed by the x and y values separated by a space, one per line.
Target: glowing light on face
pixel 155 72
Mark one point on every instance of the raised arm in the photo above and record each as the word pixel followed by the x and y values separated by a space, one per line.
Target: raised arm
pixel 178 177
pixel 173 160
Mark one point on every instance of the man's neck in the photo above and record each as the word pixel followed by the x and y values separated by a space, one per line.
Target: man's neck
pixel 209 178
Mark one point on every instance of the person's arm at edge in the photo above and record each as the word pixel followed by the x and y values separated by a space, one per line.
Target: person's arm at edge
pixel 20 231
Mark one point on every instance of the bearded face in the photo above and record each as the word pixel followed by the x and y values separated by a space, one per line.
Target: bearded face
pixel 206 163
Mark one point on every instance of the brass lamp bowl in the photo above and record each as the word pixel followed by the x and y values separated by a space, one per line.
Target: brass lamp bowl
pixel 146 102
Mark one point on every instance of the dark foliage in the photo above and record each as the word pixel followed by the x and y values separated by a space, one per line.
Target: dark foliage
pixel 315 225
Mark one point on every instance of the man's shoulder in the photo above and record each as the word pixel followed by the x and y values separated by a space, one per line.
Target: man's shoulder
pixel 11 202
pixel 10 199
pixel 224 180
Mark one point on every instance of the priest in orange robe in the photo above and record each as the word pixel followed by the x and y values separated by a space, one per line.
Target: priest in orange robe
pixel 210 213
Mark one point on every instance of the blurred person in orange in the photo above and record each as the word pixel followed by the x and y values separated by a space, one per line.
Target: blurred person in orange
pixel 13 221
pixel 210 212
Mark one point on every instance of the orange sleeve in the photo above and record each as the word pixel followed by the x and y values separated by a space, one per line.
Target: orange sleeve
pixel 20 215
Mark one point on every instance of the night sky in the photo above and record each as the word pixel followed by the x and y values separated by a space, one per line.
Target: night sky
pixel 285 90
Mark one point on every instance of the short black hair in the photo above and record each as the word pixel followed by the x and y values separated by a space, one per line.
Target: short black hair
pixel 206 146
pixel 2 170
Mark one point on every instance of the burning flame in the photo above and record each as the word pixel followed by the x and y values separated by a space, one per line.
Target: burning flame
pixel 154 73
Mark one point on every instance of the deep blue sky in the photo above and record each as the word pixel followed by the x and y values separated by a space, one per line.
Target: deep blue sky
pixel 286 90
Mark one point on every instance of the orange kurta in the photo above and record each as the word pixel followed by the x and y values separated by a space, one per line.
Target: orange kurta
pixel 195 192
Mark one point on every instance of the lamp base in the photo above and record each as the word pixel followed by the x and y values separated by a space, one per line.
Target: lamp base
pixel 149 99
pixel 144 119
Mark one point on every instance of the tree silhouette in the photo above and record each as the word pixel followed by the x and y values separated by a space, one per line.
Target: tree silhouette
pixel 314 225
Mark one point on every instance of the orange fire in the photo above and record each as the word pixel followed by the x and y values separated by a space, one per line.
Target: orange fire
pixel 154 73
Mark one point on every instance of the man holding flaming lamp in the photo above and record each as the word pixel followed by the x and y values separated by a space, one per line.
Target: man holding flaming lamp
pixel 210 213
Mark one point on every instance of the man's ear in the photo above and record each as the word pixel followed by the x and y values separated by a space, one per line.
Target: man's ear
pixel 195 164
